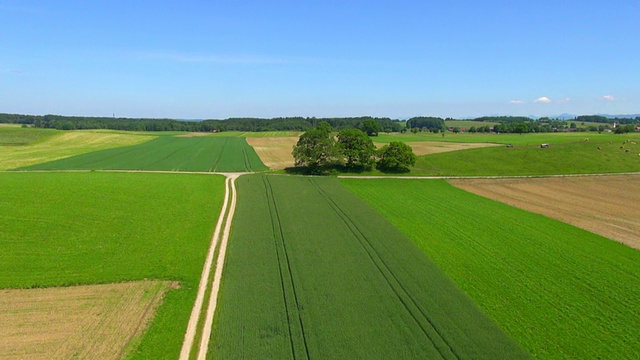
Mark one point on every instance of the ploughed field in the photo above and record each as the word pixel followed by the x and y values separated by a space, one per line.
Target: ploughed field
pixel 64 229
pixel 605 205
pixel 560 291
pixel 314 272
pixel 168 153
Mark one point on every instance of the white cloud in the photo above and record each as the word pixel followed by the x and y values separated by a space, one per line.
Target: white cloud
pixel 609 98
pixel 543 99
pixel 563 101
pixel 516 102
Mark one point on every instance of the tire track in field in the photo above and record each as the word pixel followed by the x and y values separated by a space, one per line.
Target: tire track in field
pixel 217 161
pixel 280 244
pixel 431 331
pixel 228 208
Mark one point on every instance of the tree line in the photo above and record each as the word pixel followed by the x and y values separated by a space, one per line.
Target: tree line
pixel 371 125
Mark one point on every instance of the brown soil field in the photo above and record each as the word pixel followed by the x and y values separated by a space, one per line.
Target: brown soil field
pixel 80 322
pixel 608 205
pixel 431 147
pixel 275 152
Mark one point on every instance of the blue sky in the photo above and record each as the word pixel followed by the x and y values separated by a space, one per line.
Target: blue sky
pixel 219 59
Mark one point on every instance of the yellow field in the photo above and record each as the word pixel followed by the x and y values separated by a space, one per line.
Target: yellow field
pixel 64 145
pixel 605 205
pixel 275 152
pixel 84 322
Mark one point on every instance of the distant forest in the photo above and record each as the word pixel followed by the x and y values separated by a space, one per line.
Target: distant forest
pixel 506 124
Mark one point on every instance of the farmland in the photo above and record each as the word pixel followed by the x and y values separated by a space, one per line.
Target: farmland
pixel 275 152
pixel 560 291
pixel 605 205
pixel 329 278
pixel 209 154
pixel 89 321
pixel 37 147
pixel 63 229
pixel 15 135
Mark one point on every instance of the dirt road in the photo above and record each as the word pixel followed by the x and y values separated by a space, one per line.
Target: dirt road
pixel 222 236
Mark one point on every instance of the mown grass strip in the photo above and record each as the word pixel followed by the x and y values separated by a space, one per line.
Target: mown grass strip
pixel 359 287
pixel 221 154
pixel 559 290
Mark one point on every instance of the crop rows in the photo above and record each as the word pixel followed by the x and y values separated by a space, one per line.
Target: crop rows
pixel 560 291
pixel 324 276
pixel 212 154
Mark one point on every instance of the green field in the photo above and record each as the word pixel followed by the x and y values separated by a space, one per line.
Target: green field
pixel 515 139
pixel 568 153
pixel 61 229
pixel 168 153
pixel 562 292
pixel 564 157
pixel 16 135
pixel 314 272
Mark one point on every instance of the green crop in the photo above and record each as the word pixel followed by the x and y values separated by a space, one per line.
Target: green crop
pixel 314 272
pixel 168 153
pixel 560 291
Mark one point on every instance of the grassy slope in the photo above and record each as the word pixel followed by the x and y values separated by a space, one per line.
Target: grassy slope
pixel 324 276
pixel 169 153
pixel 64 229
pixel 569 153
pixel 515 139
pixel 560 291
pixel 61 145
pixel 15 135
pixel 576 157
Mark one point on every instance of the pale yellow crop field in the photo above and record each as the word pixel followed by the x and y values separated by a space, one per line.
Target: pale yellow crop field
pixel 64 145
pixel 83 322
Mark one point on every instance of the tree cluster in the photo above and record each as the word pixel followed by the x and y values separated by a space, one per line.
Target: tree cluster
pixel 318 150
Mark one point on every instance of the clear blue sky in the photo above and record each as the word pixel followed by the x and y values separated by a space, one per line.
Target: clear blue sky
pixel 218 59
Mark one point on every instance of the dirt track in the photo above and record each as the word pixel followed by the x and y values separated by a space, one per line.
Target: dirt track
pixel 222 236
pixel 605 205
pixel 85 322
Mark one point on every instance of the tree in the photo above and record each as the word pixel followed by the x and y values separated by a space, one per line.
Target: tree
pixel 396 157
pixel 371 127
pixel 316 148
pixel 357 148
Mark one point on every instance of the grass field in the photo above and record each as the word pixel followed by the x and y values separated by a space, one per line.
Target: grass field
pixel 168 153
pixel 561 291
pixel 61 229
pixel 61 145
pixel 514 139
pixel 565 157
pixel 313 272
pixel 16 135
pixel 89 321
